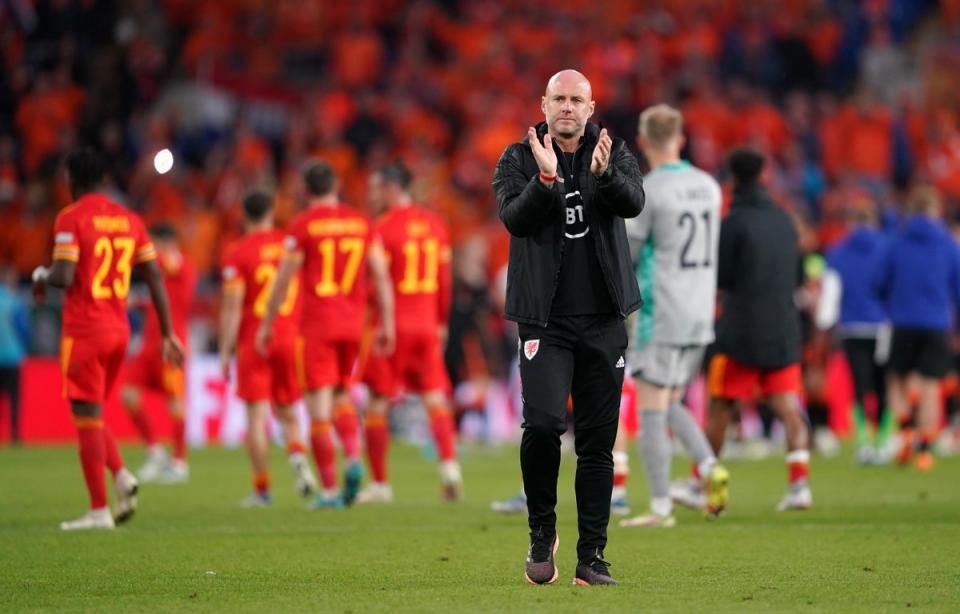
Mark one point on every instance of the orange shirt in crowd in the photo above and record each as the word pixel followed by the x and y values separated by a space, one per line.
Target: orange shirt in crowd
pixel 869 142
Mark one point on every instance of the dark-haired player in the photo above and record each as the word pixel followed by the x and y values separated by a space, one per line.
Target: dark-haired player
pixel 335 245
pixel 758 334
pixel 249 269
pixel 147 371
pixel 97 244
pixel 418 250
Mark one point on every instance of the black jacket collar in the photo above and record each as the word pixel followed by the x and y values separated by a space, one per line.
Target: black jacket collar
pixel 751 195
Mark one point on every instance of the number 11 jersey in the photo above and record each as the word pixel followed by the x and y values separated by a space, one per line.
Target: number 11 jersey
pixel 106 241
pixel 334 241
pixel 675 242
pixel 418 249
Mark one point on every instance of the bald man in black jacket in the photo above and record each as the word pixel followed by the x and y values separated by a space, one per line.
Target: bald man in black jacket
pixel 562 193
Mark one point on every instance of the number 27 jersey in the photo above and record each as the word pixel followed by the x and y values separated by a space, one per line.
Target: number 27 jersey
pixel 105 241
pixel 250 266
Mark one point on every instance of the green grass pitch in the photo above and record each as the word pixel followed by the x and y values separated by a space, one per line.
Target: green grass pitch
pixel 879 539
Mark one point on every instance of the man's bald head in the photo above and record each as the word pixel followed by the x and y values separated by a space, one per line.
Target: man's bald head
pixel 570 78
pixel 567 104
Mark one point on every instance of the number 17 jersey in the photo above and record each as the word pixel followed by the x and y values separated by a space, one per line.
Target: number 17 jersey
pixel 334 241
pixel 675 241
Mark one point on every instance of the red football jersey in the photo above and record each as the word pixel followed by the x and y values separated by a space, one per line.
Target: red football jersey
pixel 334 242
pixel 418 248
pixel 105 241
pixel 250 266
pixel 180 280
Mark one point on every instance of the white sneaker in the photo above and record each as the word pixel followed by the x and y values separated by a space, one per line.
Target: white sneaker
pixel 176 472
pixel 153 468
pixel 688 493
pixel 255 500
pixel 452 480
pixel 514 505
pixel 866 455
pixel 306 483
pixel 826 443
pixel 125 486
pixel 376 492
pixel 650 520
pixel 94 519
pixel 797 498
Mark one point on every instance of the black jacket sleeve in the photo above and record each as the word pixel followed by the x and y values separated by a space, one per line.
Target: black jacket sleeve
pixel 727 256
pixel 524 204
pixel 620 189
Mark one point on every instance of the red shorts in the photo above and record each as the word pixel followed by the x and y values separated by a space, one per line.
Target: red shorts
pixel 147 370
pixel 268 378
pixel 730 379
pixel 90 364
pixel 323 363
pixel 416 366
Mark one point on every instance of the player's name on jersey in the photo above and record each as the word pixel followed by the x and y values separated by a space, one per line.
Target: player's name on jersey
pixel 697 193
pixel 337 226
pixel 271 251
pixel 111 223
pixel 417 229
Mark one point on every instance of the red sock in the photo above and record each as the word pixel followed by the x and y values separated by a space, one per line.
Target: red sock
pixel 378 440
pixel 261 483
pixel 444 432
pixel 295 446
pixel 143 426
pixel 324 453
pixel 695 471
pixel 114 461
pixel 93 459
pixel 179 437
pixel 621 469
pixel 348 429
pixel 798 464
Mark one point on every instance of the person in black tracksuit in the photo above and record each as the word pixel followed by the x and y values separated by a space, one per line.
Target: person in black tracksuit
pixel 562 194
pixel 758 333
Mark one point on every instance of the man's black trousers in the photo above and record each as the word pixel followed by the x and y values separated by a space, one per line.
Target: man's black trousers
pixel 867 375
pixel 582 356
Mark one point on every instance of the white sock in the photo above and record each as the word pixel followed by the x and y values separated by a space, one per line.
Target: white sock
pixel 706 465
pixel 450 471
pixel 661 506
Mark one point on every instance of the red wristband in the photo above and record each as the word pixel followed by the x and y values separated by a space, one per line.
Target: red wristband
pixel 547 178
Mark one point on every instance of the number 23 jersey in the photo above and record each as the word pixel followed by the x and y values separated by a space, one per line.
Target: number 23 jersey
pixel 105 241
pixel 334 241
pixel 675 242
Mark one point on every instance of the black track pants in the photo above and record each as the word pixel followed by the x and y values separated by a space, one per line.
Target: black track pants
pixel 582 356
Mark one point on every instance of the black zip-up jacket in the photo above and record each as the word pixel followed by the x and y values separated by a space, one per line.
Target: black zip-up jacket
pixel 535 216
pixel 758 273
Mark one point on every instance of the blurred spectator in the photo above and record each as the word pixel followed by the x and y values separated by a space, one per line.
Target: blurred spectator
pixel 14 337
